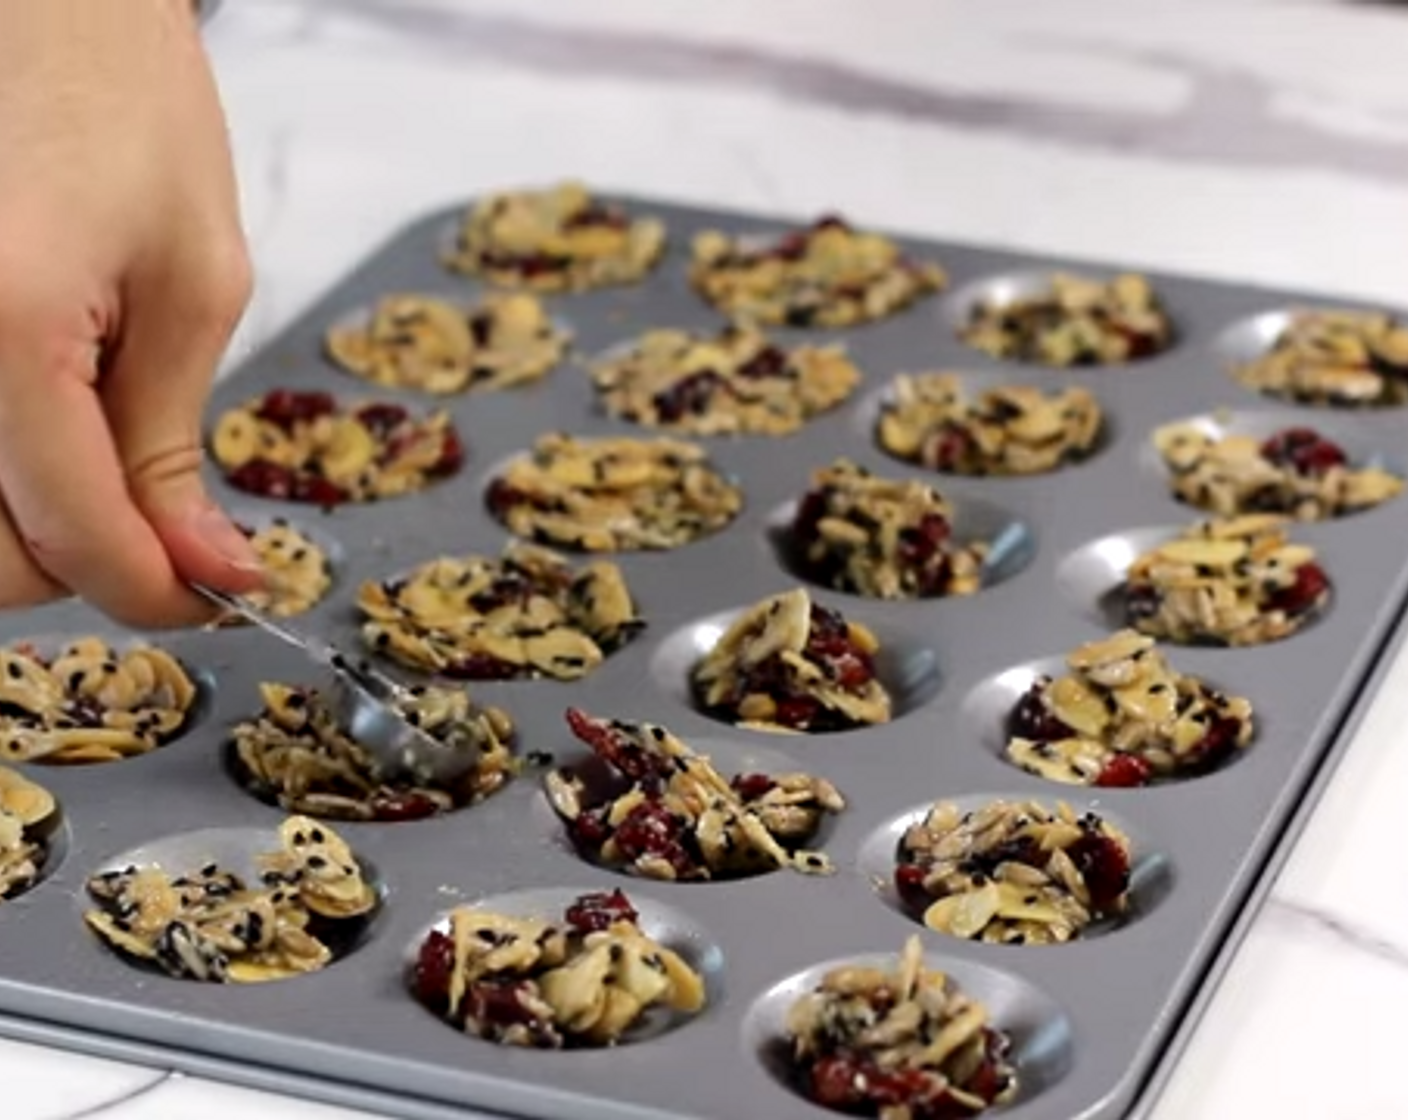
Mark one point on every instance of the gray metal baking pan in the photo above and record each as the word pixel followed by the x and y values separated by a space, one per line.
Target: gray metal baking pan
pixel 1095 1021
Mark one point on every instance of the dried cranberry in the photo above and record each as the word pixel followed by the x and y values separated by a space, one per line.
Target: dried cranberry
pixel 1304 594
pixel 451 453
pixel 259 476
pixel 770 361
pixel 403 806
pixel 285 407
pixel 596 215
pixel 1303 450
pixel 381 419
pixel 919 543
pixel 750 787
pixel 810 510
pixel 501 497
pixel 1217 745
pixel 498 1003
pixel 481 667
pixel 948 448
pixel 651 830
pixel 612 746
pixel 592 912
pixel 317 490
pixel 1104 866
pixel 835 1082
pixel 1032 719
pixel 1141 601
pixel 793 247
pixel 590 830
pixel 1124 771
pixel 831 221
pixel 909 882
pixel 435 965
pixel 689 396
pixel 799 712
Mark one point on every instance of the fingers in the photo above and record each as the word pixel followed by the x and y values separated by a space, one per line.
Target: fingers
pixel 154 396
pixel 23 583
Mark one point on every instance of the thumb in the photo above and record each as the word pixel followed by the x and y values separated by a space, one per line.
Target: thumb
pixel 154 394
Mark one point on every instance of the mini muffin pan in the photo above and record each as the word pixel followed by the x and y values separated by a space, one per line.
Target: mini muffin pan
pixel 1093 1022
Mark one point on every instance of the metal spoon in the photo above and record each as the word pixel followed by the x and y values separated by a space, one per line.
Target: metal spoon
pixel 365 705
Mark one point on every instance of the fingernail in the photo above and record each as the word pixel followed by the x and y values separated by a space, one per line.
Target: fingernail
pixel 216 529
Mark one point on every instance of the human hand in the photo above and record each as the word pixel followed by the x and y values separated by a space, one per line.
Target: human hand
pixel 123 272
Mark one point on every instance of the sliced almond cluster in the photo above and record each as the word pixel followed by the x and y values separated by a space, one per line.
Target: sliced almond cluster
pixel 1124 717
pixel 90 703
pixel 826 275
pixel 1340 358
pixel 211 925
pixel 883 538
pixel 294 753
pixel 1296 472
pixel 666 813
pixel 526 613
pixel 555 239
pixel 304 447
pixel 1230 582
pixel 789 664
pixel 25 808
pixel 297 571
pixel 427 343
pixel 734 382
pixel 1076 321
pixel 1008 430
pixel 1014 872
pixel 593 979
pixel 902 1043
pixel 613 495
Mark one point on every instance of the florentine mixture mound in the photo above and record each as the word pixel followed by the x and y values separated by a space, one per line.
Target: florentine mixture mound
pixel 1337 358
pixel 430 344
pixel 1077 321
pixel 613 494
pixel 297 569
pixel 903 1043
pixel 93 702
pixel 1231 582
pixel 556 239
pixel 829 274
pixel 1295 471
pixel 882 538
pixel 929 419
pixel 590 979
pixel 210 925
pixel 666 813
pixel 734 382
pixel 789 664
pixel 526 613
pixel 294 754
pixel 25 808
pixel 1123 716
pixel 1013 872
pixel 304 447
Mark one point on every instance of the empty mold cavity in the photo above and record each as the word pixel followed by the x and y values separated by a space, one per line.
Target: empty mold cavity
pixel 666 925
pixel 1150 871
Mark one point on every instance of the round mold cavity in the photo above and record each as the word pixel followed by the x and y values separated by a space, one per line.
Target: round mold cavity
pixel 235 850
pixel 1250 338
pixel 1012 544
pixel 1005 289
pixel 54 837
pixel 1092 578
pixel 1151 876
pixel 665 924
pixel 50 645
pixel 987 713
pixel 496 471
pixel 907 667
pixel 1042 1042
pixel 360 316
pixel 870 406
pixel 729 758
pixel 1360 453
pixel 344 401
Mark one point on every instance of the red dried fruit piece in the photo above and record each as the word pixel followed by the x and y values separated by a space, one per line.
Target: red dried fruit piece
pixel 1141 601
pixel 792 247
pixel 831 221
pixel 798 712
pixel 435 965
pixel 1303 450
pixel 1124 771
pixel 834 1082
pixel 1304 594
pixel 1218 744
pixel 381 419
pixel 919 544
pixel 597 911
pixel 451 453
pixel 287 407
pixel 948 448
pixel 909 883
pixel 498 1003
pixel 259 476
pixel 501 497
pixel 750 787
pixel 612 746
pixel 403 806
pixel 481 667
pixel 589 830
pixel 318 491
pixel 597 214
pixel 651 831
pixel 1105 867
pixel 690 396
pixel 770 361
pixel 1032 719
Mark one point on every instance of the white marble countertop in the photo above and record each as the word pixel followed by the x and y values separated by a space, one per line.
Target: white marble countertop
pixel 1265 141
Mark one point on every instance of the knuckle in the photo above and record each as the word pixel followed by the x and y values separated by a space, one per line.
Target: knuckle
pixel 159 469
